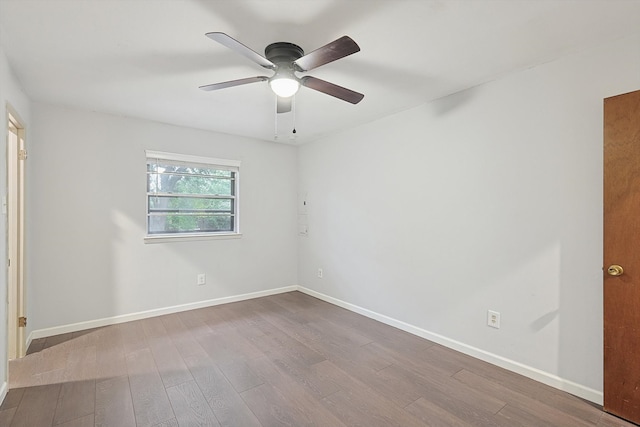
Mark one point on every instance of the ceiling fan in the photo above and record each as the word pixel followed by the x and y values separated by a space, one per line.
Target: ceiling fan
pixel 285 59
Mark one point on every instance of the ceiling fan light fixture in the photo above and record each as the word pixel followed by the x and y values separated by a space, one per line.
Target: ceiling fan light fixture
pixel 287 59
pixel 284 86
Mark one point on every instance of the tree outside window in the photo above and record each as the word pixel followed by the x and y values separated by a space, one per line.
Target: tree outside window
pixel 191 195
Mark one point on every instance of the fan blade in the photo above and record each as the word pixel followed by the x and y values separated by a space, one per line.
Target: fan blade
pixel 332 89
pixel 243 50
pixel 333 51
pixel 231 83
pixel 284 104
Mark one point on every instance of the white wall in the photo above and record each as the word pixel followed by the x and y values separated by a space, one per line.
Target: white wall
pixel 10 93
pixel 488 199
pixel 86 220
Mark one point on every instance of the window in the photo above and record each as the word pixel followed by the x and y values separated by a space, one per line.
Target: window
pixel 191 196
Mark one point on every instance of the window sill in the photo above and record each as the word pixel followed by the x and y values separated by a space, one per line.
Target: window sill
pixel 167 238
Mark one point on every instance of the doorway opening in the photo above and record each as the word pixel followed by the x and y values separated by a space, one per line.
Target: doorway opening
pixel 13 206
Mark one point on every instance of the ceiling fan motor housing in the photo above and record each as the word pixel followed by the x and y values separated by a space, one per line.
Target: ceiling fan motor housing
pixel 283 53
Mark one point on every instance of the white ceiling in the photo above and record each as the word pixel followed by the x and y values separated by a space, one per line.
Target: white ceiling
pixel 146 58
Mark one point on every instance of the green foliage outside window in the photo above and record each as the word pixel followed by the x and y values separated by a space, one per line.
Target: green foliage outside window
pixel 190 199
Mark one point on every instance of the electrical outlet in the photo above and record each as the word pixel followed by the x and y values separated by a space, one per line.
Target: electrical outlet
pixel 319 273
pixel 202 279
pixel 493 319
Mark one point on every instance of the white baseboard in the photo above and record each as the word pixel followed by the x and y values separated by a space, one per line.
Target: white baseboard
pixel 527 371
pixel 4 388
pixel 106 321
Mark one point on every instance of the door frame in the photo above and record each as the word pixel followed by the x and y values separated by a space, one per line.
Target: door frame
pixel 15 244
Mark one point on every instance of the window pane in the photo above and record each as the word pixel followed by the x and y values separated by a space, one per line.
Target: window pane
pixel 179 223
pixel 184 168
pixel 170 182
pixel 202 185
pixel 189 204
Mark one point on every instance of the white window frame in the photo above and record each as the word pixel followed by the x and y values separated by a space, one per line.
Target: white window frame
pixel 226 164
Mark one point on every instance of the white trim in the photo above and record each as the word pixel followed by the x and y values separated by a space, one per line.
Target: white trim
pixel 106 321
pixel 4 389
pixel 162 155
pixel 517 367
pixel 165 238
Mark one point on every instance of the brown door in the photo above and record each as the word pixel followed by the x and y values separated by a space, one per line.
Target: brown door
pixel 622 256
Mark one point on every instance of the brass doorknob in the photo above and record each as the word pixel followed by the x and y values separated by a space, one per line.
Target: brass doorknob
pixel 615 270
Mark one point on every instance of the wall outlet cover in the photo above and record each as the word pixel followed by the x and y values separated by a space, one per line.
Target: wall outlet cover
pixel 493 319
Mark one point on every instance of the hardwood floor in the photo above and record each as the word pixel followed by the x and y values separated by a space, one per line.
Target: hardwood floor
pixel 283 360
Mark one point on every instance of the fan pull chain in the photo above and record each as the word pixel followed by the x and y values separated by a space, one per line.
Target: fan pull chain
pixel 293 108
pixel 275 120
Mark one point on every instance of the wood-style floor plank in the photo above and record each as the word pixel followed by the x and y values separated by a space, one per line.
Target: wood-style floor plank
pixel 150 401
pixel 365 409
pixel 274 409
pixel 190 406
pixel 357 401
pixel 283 360
pixel 297 394
pixel 114 405
pixel 12 399
pixel 57 339
pixel 542 413
pixel 274 341
pixel 6 416
pixel 433 415
pixel 181 335
pixel 169 423
pixel 169 362
pixel 240 375
pixel 36 345
pixel 110 355
pixel 86 421
pixel 304 374
pixel 133 336
pixel 77 399
pixel 78 390
pixel 608 420
pixel 226 403
pixel 37 407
